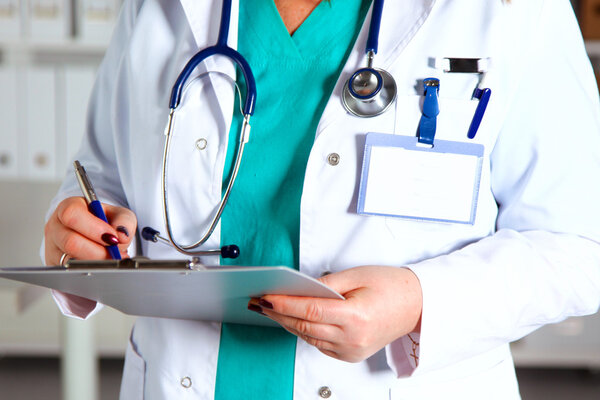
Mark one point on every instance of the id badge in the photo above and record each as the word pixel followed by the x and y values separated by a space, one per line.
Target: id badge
pixel 401 178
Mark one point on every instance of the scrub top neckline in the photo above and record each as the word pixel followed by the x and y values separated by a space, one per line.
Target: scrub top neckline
pixel 273 40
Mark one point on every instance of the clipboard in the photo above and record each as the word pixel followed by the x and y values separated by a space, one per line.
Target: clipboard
pixel 178 289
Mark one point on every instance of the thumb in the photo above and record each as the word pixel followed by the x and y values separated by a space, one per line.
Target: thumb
pixel 343 281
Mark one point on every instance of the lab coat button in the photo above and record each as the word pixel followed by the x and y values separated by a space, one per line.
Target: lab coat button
pixel 201 144
pixel 325 392
pixel 333 159
pixel 186 382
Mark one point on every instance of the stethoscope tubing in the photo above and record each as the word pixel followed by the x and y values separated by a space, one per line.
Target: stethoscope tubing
pixel 250 100
pixel 221 48
pixel 186 249
pixel 375 25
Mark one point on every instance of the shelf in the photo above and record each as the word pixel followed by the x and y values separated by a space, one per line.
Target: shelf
pixel 51 52
pixel 73 50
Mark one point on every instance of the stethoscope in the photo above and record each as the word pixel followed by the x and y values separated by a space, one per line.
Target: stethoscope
pixel 370 92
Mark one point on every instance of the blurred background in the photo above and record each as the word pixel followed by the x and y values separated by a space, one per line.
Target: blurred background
pixel 49 53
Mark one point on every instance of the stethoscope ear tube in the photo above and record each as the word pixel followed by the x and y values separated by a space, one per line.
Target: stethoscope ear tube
pixel 250 99
pixel 373 39
pixel 221 48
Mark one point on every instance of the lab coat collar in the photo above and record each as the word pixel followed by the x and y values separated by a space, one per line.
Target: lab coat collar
pixel 204 18
pixel 399 24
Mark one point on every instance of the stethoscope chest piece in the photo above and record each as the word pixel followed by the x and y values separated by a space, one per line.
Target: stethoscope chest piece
pixel 369 92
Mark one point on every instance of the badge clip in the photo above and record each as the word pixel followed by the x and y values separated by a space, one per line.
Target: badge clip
pixel 431 109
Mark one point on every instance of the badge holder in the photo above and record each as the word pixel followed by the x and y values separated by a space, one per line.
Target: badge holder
pixel 421 178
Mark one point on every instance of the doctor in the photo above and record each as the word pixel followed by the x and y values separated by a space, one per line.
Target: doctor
pixel 430 306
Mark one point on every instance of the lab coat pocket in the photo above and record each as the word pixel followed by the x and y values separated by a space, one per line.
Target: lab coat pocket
pixel 134 372
pixel 453 121
pixel 424 238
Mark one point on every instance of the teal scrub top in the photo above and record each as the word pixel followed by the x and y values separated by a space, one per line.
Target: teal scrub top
pixel 295 76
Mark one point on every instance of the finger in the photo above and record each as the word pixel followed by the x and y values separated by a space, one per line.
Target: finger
pixel 125 223
pixel 52 254
pixel 321 344
pixel 328 311
pixel 74 215
pixel 331 354
pixel 312 332
pixel 301 328
pixel 75 245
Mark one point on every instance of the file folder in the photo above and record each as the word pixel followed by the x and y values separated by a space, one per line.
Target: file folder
pixel 176 289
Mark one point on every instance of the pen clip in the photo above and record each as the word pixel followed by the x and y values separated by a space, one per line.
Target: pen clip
pixel 483 95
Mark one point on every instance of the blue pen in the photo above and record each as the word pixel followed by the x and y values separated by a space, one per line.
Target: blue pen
pixel 94 205
pixel 483 95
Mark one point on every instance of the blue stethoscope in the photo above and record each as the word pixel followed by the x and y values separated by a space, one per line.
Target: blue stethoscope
pixel 367 93
pixel 370 91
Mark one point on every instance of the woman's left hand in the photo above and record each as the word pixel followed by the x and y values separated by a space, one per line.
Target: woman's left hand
pixel 382 304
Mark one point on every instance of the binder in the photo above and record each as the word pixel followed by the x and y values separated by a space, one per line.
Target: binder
pixel 10 20
pixel 96 20
pixel 178 289
pixel 9 133
pixel 40 97
pixel 49 20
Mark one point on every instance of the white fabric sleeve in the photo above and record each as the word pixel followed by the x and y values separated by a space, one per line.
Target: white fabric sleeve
pixel 97 151
pixel 543 263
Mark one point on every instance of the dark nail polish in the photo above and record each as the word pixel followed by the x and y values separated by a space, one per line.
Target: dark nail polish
pixel 265 304
pixel 110 239
pixel 255 308
pixel 123 230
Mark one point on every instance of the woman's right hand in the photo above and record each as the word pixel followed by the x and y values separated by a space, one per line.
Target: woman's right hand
pixel 74 231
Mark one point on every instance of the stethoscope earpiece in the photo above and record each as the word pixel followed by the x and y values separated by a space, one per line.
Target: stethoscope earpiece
pixel 229 251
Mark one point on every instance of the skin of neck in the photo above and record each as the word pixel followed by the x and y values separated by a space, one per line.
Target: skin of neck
pixel 294 12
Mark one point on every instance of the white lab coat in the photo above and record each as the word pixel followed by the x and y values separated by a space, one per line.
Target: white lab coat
pixel 532 256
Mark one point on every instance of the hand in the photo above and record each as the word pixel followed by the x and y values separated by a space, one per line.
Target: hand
pixel 382 304
pixel 73 230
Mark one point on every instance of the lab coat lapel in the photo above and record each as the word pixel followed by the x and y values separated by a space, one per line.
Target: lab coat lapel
pixel 400 22
pixel 204 18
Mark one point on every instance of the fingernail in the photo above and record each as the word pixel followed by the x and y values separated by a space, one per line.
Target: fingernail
pixel 123 230
pixel 110 239
pixel 255 308
pixel 265 304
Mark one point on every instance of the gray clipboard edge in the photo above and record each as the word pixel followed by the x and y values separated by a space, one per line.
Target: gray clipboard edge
pixel 133 263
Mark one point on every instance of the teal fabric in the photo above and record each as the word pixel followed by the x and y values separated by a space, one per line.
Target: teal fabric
pixel 295 76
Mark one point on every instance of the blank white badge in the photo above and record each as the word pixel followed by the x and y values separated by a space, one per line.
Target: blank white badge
pixel 401 178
